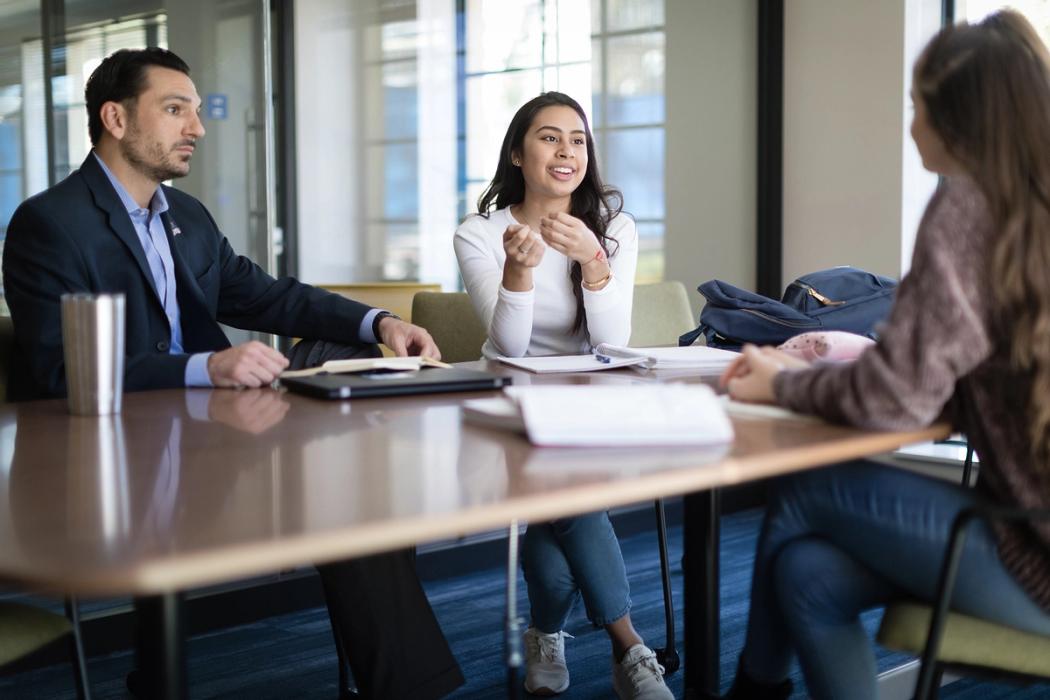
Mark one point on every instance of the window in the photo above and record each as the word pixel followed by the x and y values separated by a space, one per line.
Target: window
pixel 1036 11
pixel 392 200
pixel 609 56
pixel 432 85
pixel 23 131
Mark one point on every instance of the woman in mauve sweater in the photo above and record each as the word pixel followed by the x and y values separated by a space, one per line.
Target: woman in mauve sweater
pixel 968 338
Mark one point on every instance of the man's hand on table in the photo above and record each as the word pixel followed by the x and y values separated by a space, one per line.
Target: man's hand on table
pixel 407 339
pixel 251 364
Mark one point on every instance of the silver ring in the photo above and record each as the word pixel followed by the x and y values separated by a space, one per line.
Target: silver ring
pixel 522 250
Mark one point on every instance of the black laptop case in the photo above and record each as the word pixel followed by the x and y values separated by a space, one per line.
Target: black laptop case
pixel 362 385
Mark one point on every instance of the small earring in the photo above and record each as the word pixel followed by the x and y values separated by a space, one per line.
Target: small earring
pixel 516 162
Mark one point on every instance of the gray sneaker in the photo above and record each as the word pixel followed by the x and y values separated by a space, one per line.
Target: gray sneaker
pixel 639 677
pixel 545 669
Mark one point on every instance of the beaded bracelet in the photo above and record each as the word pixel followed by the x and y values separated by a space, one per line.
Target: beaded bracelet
pixel 599 256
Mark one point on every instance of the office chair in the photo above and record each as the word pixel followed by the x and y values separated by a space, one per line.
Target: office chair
pixel 660 313
pixel 25 629
pixel 953 642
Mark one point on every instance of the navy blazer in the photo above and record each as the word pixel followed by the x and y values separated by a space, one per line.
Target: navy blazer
pixel 77 237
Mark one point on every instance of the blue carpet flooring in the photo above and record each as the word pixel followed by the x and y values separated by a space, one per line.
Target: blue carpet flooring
pixel 291 656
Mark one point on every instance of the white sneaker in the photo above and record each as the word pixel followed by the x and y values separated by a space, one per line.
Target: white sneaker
pixel 639 677
pixel 545 669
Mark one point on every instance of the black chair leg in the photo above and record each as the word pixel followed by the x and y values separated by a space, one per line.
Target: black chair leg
pixel 346 688
pixel 76 652
pixel 938 678
pixel 935 687
pixel 668 654
pixel 967 477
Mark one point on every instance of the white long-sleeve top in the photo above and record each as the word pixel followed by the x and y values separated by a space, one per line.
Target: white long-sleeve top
pixel 539 321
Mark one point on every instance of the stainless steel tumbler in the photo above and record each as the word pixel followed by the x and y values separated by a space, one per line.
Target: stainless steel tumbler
pixel 93 338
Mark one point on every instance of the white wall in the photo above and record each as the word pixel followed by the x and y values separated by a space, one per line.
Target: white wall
pixel 711 94
pixel 853 190
pixel 334 92
pixel 710 161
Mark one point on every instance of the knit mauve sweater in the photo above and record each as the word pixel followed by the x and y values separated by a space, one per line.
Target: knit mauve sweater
pixel 945 349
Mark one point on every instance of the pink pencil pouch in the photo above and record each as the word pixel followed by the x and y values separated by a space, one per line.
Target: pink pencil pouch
pixel 829 346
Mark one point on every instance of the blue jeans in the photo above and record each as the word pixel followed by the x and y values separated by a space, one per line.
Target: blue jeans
pixel 567 558
pixel 839 541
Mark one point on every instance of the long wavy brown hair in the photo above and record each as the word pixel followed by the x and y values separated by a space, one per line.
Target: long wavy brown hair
pixel 986 89
pixel 593 202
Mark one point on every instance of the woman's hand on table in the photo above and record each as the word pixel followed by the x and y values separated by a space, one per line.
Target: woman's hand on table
pixel 750 376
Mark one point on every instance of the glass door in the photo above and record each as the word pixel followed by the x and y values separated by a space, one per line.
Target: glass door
pixel 43 125
pixel 227 45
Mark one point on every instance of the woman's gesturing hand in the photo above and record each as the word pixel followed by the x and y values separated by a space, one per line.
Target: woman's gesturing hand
pixel 523 246
pixel 571 237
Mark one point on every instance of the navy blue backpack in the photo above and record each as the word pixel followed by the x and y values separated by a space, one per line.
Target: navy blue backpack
pixel 839 299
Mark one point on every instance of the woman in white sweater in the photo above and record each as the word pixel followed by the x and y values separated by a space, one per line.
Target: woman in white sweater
pixel 551 271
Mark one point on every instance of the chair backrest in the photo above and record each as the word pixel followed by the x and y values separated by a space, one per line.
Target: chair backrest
pixel 661 313
pixel 7 351
pixel 450 319
pixel 395 297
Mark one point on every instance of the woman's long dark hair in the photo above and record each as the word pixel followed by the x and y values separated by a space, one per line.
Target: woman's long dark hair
pixel 986 89
pixel 594 203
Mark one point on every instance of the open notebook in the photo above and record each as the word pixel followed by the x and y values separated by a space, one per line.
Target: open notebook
pixel 368 364
pixel 588 415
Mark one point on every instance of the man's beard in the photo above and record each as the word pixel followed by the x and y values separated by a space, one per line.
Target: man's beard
pixel 150 160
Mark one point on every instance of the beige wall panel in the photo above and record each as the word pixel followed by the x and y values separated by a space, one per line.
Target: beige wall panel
pixel 711 156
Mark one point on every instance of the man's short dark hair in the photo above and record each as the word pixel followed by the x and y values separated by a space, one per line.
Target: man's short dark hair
pixel 122 76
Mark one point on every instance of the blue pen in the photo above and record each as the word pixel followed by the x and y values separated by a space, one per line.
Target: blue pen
pixel 604 359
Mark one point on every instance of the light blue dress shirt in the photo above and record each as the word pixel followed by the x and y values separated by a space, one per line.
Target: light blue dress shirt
pixel 150 230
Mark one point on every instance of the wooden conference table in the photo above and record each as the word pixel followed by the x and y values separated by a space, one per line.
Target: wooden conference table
pixel 189 488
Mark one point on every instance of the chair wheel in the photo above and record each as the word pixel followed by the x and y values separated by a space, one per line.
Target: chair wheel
pixel 669 660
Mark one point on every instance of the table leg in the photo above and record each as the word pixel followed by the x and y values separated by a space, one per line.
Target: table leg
pixel 700 531
pixel 161 646
pixel 512 625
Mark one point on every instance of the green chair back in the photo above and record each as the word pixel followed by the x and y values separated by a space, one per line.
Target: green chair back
pixel 450 319
pixel 967 641
pixel 661 313
pixel 25 628
pixel 7 351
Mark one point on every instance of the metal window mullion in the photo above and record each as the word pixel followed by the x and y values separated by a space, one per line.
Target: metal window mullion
pixel 621 33
pixel 389 61
pixel 269 144
pixel 632 127
pixel 52 21
pixel 947 12
pixel 521 69
pixel 407 141
pixel 603 71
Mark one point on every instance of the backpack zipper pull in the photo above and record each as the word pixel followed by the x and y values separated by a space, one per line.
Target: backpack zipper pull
pixel 821 298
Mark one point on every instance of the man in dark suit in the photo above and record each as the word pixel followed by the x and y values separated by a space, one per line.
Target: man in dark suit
pixel 112 227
